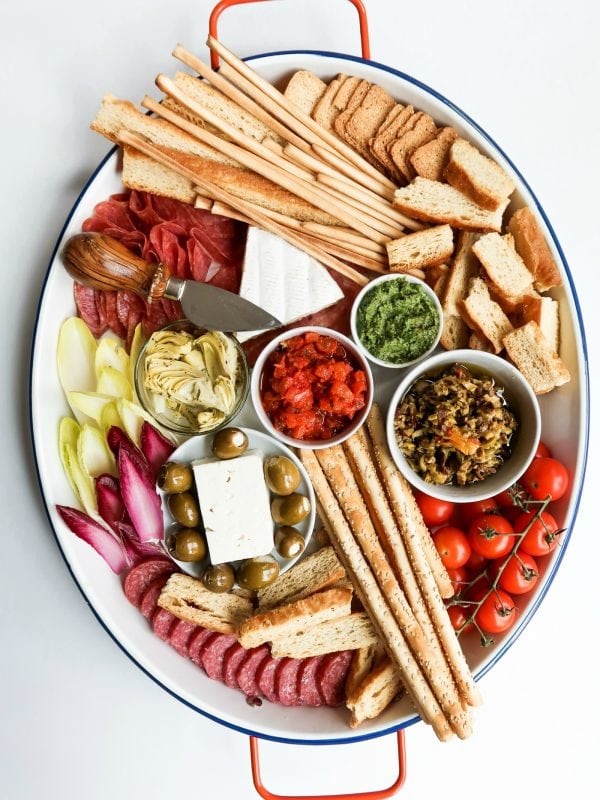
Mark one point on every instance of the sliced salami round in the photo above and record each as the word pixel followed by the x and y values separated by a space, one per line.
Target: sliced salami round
pixel 308 689
pixel 197 643
pixel 141 576
pixel 162 623
pixel 286 682
pixel 233 658
pixel 247 672
pixel 331 676
pixel 266 676
pixel 151 595
pixel 181 636
pixel 213 654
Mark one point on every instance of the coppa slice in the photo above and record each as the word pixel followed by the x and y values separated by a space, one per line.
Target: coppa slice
pixel 150 597
pixel 266 677
pixel 331 677
pixel 248 670
pixel 308 689
pixel 213 654
pixel 140 577
pixel 286 682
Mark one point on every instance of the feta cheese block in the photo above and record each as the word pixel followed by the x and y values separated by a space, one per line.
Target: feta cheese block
pixel 235 506
pixel 284 280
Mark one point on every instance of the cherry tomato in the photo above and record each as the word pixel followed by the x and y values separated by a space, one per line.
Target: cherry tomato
pixel 435 512
pixel 541 538
pixel 543 451
pixel 491 535
pixel 470 511
pixel 476 563
pixel 520 574
pixel 479 588
pixel 497 612
pixel 452 545
pixel 546 477
pixel 458 616
pixel 504 499
pixel 459 577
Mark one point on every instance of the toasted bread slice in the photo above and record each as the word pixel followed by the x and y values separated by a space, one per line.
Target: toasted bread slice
pixel 504 269
pixel 529 350
pixel 186 598
pixel 477 176
pixel 350 632
pixel 366 121
pixel 485 315
pixel 455 332
pixel 477 342
pixel 544 311
pixel 345 91
pixel 324 112
pixel 293 618
pixel 312 574
pixel 421 249
pixel 370 698
pixel 402 149
pixel 430 159
pixel 361 665
pixel 355 100
pixel 437 202
pixel 304 90
pixel 463 267
pixel 532 246
pixel 391 116
pixel 386 136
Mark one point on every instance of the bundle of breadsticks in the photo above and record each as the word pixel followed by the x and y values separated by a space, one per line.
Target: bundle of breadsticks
pixel 378 532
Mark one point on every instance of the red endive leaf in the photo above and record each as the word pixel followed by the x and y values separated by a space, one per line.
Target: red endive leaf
pixel 99 538
pixel 139 495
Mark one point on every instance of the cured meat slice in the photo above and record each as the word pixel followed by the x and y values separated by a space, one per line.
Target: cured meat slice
pixel 308 689
pixel 331 676
pixel 233 658
pixel 162 623
pixel 266 676
pixel 150 597
pixel 213 654
pixel 181 636
pixel 141 576
pixel 286 681
pixel 247 672
pixel 112 315
pixel 85 301
pixel 197 643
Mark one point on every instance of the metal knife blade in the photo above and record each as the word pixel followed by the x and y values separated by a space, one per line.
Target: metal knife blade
pixel 217 309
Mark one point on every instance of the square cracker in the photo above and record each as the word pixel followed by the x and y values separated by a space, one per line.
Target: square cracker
pixel 325 113
pixel 353 104
pixel 367 119
pixel 423 131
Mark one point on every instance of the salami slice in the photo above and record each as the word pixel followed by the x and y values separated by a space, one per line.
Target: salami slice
pixel 247 672
pixel 213 654
pixel 181 636
pixel 85 300
pixel 308 689
pixel 151 595
pixel 162 623
pixel 286 681
pixel 233 658
pixel 331 676
pixel 197 643
pixel 141 576
pixel 266 676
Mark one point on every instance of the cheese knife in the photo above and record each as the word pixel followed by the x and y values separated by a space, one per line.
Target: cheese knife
pixel 101 262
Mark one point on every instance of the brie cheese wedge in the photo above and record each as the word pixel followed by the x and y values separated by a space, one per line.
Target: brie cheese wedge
pixel 285 281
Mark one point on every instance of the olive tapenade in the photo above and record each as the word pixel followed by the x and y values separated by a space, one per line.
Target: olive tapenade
pixel 455 427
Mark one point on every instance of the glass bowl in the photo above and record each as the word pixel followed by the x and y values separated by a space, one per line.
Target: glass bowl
pixel 177 423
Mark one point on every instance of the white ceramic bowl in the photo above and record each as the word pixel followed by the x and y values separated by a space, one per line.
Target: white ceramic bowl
pixel 360 297
pixel 520 398
pixel 255 385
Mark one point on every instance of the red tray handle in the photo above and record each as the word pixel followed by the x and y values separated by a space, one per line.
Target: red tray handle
pixel 376 794
pixel 220 7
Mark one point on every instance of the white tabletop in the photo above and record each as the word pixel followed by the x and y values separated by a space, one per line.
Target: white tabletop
pixel 79 719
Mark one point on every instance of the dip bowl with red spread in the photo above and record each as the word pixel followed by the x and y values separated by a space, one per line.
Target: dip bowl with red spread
pixel 311 387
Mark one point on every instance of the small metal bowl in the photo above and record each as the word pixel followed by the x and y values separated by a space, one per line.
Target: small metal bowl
pixel 167 421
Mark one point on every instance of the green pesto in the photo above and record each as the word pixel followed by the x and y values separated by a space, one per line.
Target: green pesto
pixel 397 321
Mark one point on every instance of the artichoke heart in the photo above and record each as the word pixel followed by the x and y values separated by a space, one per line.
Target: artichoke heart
pixel 194 377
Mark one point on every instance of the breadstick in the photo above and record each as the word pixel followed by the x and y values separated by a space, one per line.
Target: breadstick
pixel 407 517
pixel 370 595
pixel 442 681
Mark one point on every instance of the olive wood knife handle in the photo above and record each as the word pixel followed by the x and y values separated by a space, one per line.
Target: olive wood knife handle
pixel 101 262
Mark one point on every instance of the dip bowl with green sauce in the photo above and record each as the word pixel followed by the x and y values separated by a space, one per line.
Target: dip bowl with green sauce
pixel 396 320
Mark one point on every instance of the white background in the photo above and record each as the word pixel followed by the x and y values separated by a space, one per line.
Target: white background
pixel 77 718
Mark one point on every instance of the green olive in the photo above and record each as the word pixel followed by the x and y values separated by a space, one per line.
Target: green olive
pixel 282 476
pixel 256 573
pixel 230 443
pixel 289 542
pixel 290 510
pixel 188 544
pixel 219 578
pixel 175 478
pixel 184 509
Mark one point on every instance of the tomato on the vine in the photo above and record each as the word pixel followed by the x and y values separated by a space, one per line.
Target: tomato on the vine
pixel 546 477
pixel 435 512
pixel 459 577
pixel 543 451
pixel 476 563
pixel 452 545
pixel 505 498
pixel 520 574
pixel 542 537
pixel 491 535
pixel 470 511
pixel 497 612
pixel 458 617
